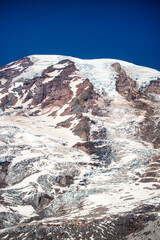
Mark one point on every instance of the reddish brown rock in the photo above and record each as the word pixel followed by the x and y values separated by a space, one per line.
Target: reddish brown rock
pixel 44 200
pixel 8 101
pixel 82 129
pixel 55 92
pixel 154 87
pixel 10 71
pixel 98 150
pixel 66 123
pixel 124 84
pixel 84 100
pixel 128 88
pixel 64 181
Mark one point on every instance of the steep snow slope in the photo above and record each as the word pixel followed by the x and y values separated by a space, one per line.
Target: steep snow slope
pixel 79 149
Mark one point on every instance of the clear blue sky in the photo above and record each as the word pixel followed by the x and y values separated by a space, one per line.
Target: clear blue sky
pixel 126 30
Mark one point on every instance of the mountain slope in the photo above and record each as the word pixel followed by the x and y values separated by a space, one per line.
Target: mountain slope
pixel 79 149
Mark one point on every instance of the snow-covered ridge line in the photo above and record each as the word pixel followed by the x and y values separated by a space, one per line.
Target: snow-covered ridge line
pixel 98 71
pixel 39 57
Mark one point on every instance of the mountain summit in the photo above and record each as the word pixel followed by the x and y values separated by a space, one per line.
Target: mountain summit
pixel 79 149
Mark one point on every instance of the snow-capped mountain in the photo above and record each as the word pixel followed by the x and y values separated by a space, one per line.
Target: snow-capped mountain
pixel 79 149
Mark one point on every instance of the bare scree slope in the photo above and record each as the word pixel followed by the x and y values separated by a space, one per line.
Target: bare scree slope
pixel 79 149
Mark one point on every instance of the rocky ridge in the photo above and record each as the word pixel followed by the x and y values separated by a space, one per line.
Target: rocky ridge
pixel 79 149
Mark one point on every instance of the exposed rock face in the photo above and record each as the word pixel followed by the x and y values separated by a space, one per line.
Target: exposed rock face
pixel 98 149
pixel 44 200
pixel 124 84
pixel 3 172
pixel 145 100
pixel 79 149
pixel 14 69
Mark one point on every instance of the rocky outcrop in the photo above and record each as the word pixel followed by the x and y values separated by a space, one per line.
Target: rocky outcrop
pixel 82 129
pixel 7 74
pixel 44 200
pixel 8 101
pixel 128 87
pixel 3 173
pixel 55 92
pixel 13 70
pixel 97 149
pixel 124 84
pixel 64 180
pixel 84 101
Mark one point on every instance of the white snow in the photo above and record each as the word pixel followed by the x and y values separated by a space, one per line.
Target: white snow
pixel 3 95
pixel 40 63
pixel 52 75
pixel 121 198
pixel 3 209
pixel 3 81
pixel 59 66
pixel 73 86
pixel 26 210
pixel 62 109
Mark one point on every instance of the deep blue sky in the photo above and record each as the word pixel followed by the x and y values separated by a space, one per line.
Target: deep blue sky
pixel 126 30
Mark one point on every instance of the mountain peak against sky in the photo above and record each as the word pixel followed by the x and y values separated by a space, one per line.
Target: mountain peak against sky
pixel 127 30
pixel 79 149
pixel 101 68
